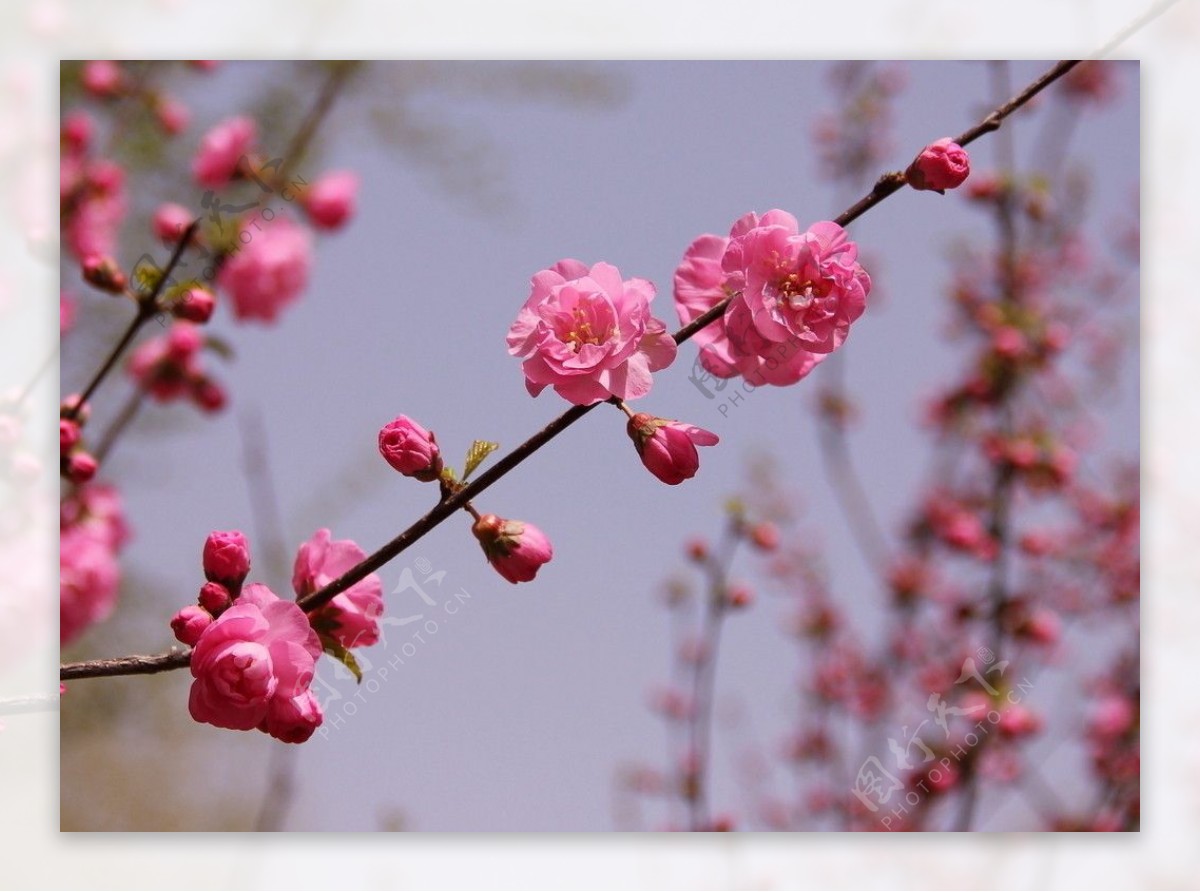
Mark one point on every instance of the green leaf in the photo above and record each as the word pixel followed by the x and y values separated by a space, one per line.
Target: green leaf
pixel 332 647
pixel 479 451
pixel 219 346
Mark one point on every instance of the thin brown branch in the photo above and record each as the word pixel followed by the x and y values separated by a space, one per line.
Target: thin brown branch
pixel 132 665
pixel 147 309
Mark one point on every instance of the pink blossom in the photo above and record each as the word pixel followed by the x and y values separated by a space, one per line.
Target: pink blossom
pixel 941 165
pixel 226 558
pixel 589 334
pixel 214 598
pixel 169 367
pixel 103 272
pixel 189 624
pixel 66 313
pixel 352 616
pixel 91 228
pixel 330 201
pixel 97 509
pixel 194 305
pixel 668 448
pixel 172 115
pixel 515 548
pixel 792 296
pixel 253 661
pixel 801 287
pixel 221 149
pixel 77 132
pixel 80 466
pixel 294 720
pixel 170 220
pixel 88 580
pixel 269 271
pixel 410 449
pixel 101 77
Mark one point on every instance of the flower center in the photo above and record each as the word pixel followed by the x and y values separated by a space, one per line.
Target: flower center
pixel 581 332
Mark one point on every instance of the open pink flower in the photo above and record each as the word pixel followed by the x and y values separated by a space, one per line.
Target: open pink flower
pixel 251 662
pixel 269 271
pixel 763 339
pixel 801 288
pixel 668 448
pixel 88 579
pixel 516 549
pixel 220 150
pixel 352 617
pixel 589 334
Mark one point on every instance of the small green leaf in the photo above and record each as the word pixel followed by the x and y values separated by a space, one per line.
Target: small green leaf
pixel 219 346
pixel 332 647
pixel 479 450
pixel 449 475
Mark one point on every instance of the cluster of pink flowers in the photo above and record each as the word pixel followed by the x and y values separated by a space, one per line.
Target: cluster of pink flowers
pixel 92 532
pixel 169 367
pixel 76 463
pixel 792 296
pixel 92 200
pixel 254 654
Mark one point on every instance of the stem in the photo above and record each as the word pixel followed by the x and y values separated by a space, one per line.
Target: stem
pixel 132 665
pixel 888 184
pixel 147 308
pixel 312 121
pixel 704 675
pixel 128 412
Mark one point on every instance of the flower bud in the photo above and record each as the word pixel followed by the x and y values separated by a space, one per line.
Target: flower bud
pixel 214 598
pixel 101 77
pixel 410 449
pixel 764 536
pixel 668 448
pixel 516 549
pixel 194 305
pixel 68 435
pixel 226 558
pixel 329 202
pixel 81 466
pixel 738 597
pixel 942 165
pixel 104 273
pixel 170 220
pixel 209 395
pixel 189 624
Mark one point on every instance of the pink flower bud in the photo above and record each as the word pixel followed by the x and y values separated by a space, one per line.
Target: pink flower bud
pixel 173 115
pixel 668 448
pixel 170 220
pixel 209 395
pixel 226 558
pixel 697 550
pixel 183 341
pixel 68 435
pixel 1017 720
pixel 194 305
pixel 101 78
pixel 738 597
pixel 330 201
pixel 516 549
pixel 942 165
pixel 67 407
pixel 764 536
pixel 81 466
pixel 77 130
pixel 410 449
pixel 214 598
pixel 104 273
pixel 221 149
pixel 189 624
